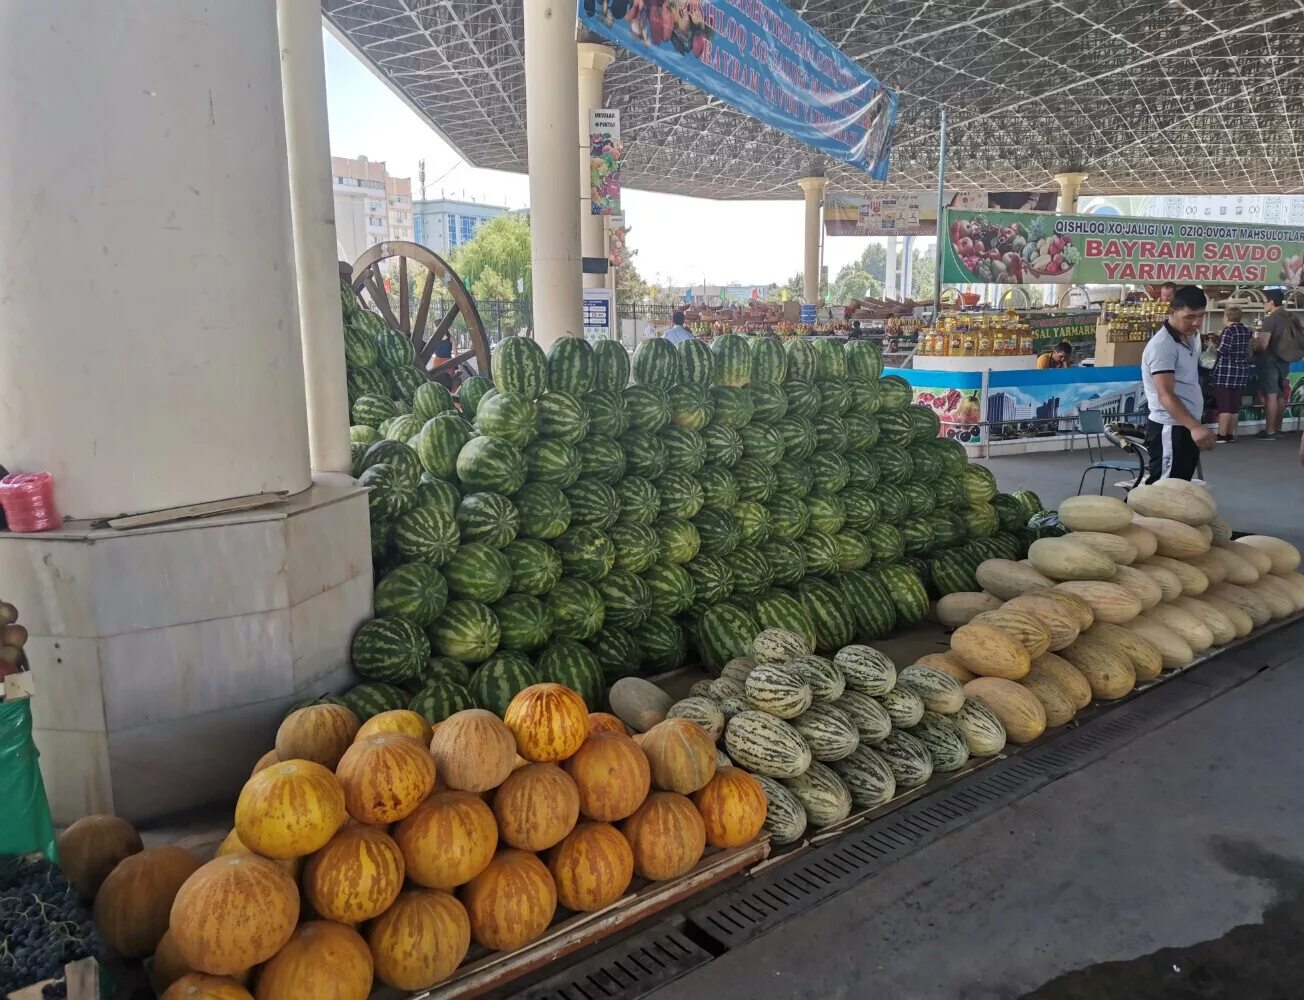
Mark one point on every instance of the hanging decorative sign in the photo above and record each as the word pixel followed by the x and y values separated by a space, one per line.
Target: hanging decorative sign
pixel 605 151
pixel 1036 248
pixel 616 252
pixel 762 58
pixel 915 213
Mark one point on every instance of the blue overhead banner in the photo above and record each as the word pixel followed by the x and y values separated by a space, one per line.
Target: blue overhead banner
pixel 762 58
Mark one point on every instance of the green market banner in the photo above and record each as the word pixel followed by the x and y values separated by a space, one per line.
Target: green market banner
pixel 1076 328
pixel 1037 248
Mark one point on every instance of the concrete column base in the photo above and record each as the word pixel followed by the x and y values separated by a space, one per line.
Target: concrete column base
pixel 164 658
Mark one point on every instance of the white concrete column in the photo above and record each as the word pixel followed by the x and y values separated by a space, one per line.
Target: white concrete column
pixel 551 93
pixel 149 329
pixel 814 191
pixel 312 203
pixel 1069 184
pixel 890 274
pixel 593 62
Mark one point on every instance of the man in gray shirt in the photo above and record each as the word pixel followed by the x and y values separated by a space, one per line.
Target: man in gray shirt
pixel 1170 375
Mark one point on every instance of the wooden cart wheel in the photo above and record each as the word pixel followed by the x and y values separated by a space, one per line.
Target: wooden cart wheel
pixel 396 307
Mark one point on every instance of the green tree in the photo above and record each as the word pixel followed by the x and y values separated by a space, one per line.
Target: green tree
pixel 491 285
pixel 874 262
pixel 923 275
pixel 501 245
pixel 854 282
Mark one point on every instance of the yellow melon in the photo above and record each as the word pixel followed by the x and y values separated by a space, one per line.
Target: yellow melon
pixel 1245 599
pixel 1241 622
pixel 319 733
pixel 1145 588
pixel 1284 557
pixel 1026 628
pixel 1005 578
pixel 1059 622
pixel 1108 601
pixel 290 809
pixel 954 610
pixel 990 652
pixel 322 959
pixel 1175 539
pixel 1094 513
pixel 667 835
pixel 1018 709
pixel 949 664
pixel 356 876
pixel 1146 658
pixel 266 761
pixel 1074 605
pixel 511 902
pixel 1116 547
pixel 1064 674
pixel 549 722
pixel 385 777
pixel 611 774
pixel 1173 650
pixel 1255 556
pixel 447 840
pixel 1218 624
pixel 399 720
pixel 1065 559
pixel 1191 630
pixel 1107 669
pixel 1055 701
pixel 536 807
pixel 592 867
pixel 1145 543
pixel 420 940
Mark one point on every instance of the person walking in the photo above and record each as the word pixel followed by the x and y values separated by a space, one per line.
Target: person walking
pixel 1230 373
pixel 1170 375
pixel 1278 331
pixel 677 333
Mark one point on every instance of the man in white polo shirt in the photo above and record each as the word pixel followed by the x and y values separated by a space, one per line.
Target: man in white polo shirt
pixel 1170 374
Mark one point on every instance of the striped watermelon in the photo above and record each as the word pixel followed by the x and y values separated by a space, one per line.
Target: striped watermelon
pixel 430 400
pixel 712 579
pixel 696 363
pixel 405 462
pixel 471 392
pixel 919 499
pixel 625 599
pixel 753 522
pixel 671 588
pixel 733 363
pixel 437 700
pixel 437 493
pixel 835 397
pixel 415 591
pixel 765 745
pixel 981 521
pixel 388 497
pixel 691 406
pixel 544 510
pixel 872 610
pixel 979 485
pixel 789 516
pixel 862 432
pixel 860 507
pixel 763 443
pixel 894 427
pixel 799 437
pixel 467 631
pixel 829 471
pixel 822 554
pixel 793 479
pixel 751 572
pixel 403 428
pixel 678 540
pixel 500 679
pixel 519 365
pixel 525 623
pixel 389 649
pixel 864 394
pixel 718 530
pixel 366 382
pixel 610 365
pixel 601 458
pixel 733 406
pixel 362 437
pixel 724 446
pixel 645 454
pixel 867 776
pixel 490 464
pixel 893 506
pixel 592 503
pixel 562 416
pixel 372 411
pixel 585 552
pixel 607 414
pixel 853 550
pixel 640 501
pixel 894 393
pixel 769 402
pixel 570 365
pixel 478 572
pixel 661 644
pixel 404 382
pixel 801 360
pixel 769 361
pixel 393 349
pixel 685 448
pixel 786 559
pixel 372 698
pixel 359 347
pixel 655 363
pixel 925 424
pixel 864 359
pixel 948 530
pixel 779 609
pixel 756 480
pixel 382 540
pixel 824 602
pixel 439 441
pixel 862 470
pixel 616 652
pixel 830 361
pixel 568 662
pixel 576 608
pixel 719 487
pixel 510 416
pixel 908 593
pixel 647 407
pixel 536 568
pixel 488 518
pixel 725 631
pixel 803 398
pixel 553 462
pixel 637 545
pixel 827 512
pixel 428 534
pixel 680 493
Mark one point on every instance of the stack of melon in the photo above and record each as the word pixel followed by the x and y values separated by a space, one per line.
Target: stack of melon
pixel 1131 590
pixel 382 850
pixel 824 736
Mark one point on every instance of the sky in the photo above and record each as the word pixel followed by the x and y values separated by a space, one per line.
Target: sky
pixel 680 241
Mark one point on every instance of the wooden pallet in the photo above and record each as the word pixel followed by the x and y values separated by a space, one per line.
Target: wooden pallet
pixel 82 978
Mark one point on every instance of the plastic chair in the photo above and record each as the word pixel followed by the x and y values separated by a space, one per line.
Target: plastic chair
pixel 1090 422
pixel 1129 446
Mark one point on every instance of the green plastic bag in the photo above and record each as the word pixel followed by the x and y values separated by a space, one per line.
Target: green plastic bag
pixel 25 825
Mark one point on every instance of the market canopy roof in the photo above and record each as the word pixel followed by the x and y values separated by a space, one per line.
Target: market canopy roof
pixel 1148 97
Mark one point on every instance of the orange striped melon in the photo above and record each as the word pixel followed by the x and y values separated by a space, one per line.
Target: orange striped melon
pixel 356 876
pixel 290 809
pixel 680 754
pixel 447 840
pixel 420 940
pixel 198 986
pixel 232 844
pixel 949 664
pixel 399 720
pixel 549 722
pixel 612 776
pixel 536 807
pixel 733 808
pixel 92 847
pixel 605 722
pixel 592 867
pixel 385 777
pixel 474 751
pixel 511 902
pixel 320 733
pixel 322 959
pixel 134 901
pixel 667 835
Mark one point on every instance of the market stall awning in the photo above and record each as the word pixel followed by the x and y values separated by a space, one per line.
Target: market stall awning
pixel 1183 96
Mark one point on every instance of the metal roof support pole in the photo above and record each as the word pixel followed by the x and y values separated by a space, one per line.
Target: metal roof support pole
pixel 312 209
pixel 1070 184
pixel 593 62
pixel 941 208
pixel 814 191
pixel 551 96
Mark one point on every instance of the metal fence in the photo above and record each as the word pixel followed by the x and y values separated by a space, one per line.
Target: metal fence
pixel 505 317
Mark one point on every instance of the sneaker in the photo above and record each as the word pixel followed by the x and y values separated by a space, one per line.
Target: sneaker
pixel 1220 439
pixel 1264 435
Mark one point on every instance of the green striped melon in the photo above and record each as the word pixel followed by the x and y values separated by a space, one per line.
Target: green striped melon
pixel 568 662
pixel 979 485
pixel 362 437
pixel 769 361
pixel 519 365
pixel 625 599
pixel 919 498
pixel 436 701
pixel 719 487
pixel 671 588
pixel 862 432
pixel 372 698
pixel 431 399
pixel 607 414
pixel 570 365
pixel 601 458
pixel 645 454
pixel 762 443
pixel 438 493
pixel 712 579
pixel 655 363
pixel 982 731
pixel 640 501
pixel 661 643
pixel 778 609
pixel 873 612
pixel 681 494
pixel 524 622
pixel 510 416
pixel 500 679
pixel 753 522
pixel 562 416
pixel 576 608
pixel 756 480
pixel 685 449
pixel 696 363
pixel 793 479
pixel 803 398
pixel 835 397
pixel 943 740
pixel 389 649
pixel 940 692
pixel 785 817
pixel 553 462
pixel 544 511
pixel 691 406
pixel 866 670
pixel 382 540
pixel 864 359
pixel 388 497
pixel 647 407
pixel 478 572
pixel 427 534
pixel 751 572
pixel 868 777
pixel 415 591
pixel 801 359
pixel 724 446
pixel 372 411
pixel 908 758
pixel 825 797
pixel 733 363
pixel 903 706
pixel 610 365
pixel 822 554
pixel 822 674
pixel 637 545
pixel 616 652
pixel 894 392
pixel 925 424
pixel 592 503
pixel 948 530
pixel 725 631
pixel 829 471
pixel 778 689
pixel 799 436
pixel 718 531
pixel 403 460
pixel 487 517
pixel 823 601
pixel 769 402
pixel 536 567
pixel 467 631
pixel 766 745
pixel 585 552
pixel 869 717
pixel 491 464
pixel 678 540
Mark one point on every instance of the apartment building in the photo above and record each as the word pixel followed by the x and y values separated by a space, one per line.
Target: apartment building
pixel 370 205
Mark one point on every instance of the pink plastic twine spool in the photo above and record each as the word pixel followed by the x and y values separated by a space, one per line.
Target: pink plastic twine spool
pixel 28 501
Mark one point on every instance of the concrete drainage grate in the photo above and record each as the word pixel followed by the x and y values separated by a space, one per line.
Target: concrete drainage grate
pixel 627 970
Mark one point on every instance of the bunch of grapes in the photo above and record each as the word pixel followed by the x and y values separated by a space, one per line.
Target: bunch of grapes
pixel 43 924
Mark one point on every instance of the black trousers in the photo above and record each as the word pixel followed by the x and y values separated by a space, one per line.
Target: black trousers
pixel 1173 455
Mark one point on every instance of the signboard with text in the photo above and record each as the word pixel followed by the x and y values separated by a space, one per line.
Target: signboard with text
pixel 599 305
pixel 915 213
pixel 1041 248
pixel 605 153
pixel 762 58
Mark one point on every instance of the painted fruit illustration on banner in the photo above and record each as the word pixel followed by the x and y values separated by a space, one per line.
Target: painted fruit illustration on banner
pixel 960 412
